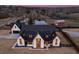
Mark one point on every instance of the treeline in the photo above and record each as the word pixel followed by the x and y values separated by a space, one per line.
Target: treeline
pixel 57 13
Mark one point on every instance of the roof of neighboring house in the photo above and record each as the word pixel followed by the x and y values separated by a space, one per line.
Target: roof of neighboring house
pixel 40 22
pixel 17 23
pixel 60 20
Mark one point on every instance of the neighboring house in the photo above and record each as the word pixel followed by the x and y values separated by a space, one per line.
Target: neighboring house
pixel 25 20
pixel 15 29
pixel 59 23
pixel 40 22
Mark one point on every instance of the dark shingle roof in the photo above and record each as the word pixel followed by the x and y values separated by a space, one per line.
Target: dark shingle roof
pixel 17 23
pixel 35 29
pixel 26 34
pixel 38 28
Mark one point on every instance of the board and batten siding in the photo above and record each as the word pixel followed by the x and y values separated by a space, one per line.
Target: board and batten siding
pixel 56 41
pixel 20 41
pixel 34 41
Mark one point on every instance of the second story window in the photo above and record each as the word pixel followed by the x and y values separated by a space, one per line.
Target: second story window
pixel 30 35
pixel 46 36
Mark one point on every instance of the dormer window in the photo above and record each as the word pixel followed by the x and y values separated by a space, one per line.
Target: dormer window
pixel 46 36
pixel 30 35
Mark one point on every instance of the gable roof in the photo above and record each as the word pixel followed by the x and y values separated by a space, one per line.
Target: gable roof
pixel 38 36
pixel 20 37
pixel 15 27
pixel 17 23
pixel 56 38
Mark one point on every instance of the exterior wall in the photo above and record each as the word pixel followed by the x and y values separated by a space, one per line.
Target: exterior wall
pixel 15 28
pixel 58 42
pixel 42 43
pixel 22 40
pixel 34 41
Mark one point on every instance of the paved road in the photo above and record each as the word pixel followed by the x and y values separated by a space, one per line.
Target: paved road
pixel 6 21
pixel 10 36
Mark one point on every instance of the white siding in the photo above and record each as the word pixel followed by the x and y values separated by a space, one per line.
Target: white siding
pixel 22 41
pixel 34 41
pixel 15 28
pixel 58 41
